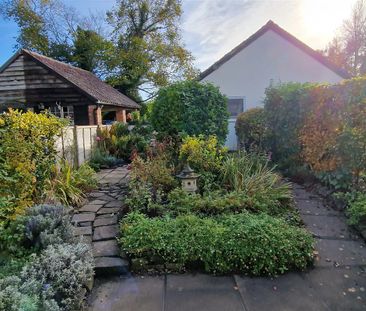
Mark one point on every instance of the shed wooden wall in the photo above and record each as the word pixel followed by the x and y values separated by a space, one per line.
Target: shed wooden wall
pixel 25 81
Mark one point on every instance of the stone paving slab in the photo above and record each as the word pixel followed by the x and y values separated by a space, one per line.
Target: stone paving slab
pixel 105 248
pixel 201 292
pixel 108 210
pixel 132 294
pixel 309 207
pixel 340 289
pixel 288 292
pixel 90 208
pixel 105 220
pixel 83 217
pixel 327 226
pixel 338 252
pixel 112 266
pixel 105 233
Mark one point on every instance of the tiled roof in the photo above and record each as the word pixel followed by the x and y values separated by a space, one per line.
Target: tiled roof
pixel 85 81
pixel 287 36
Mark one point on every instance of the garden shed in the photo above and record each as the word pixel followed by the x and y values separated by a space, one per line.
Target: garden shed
pixel 30 81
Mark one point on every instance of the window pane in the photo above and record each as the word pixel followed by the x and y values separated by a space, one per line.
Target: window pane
pixel 235 106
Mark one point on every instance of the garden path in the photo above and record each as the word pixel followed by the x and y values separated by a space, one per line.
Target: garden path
pixel 97 221
pixel 337 282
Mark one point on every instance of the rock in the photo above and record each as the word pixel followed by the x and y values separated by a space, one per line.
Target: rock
pixel 96 194
pixel 108 210
pixel 105 248
pixel 98 202
pixel 83 231
pixel 114 203
pixel 105 266
pixel 83 217
pixel 105 221
pixel 105 233
pixel 90 208
pixel 90 283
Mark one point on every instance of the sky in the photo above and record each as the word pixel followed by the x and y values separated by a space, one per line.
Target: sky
pixel 211 28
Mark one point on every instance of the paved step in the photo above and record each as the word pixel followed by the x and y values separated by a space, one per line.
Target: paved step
pixel 106 249
pixel 105 232
pixel 105 266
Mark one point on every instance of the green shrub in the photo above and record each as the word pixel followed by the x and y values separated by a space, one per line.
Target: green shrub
pixel 357 211
pixel 12 299
pixel 27 155
pixel 39 227
pixel 255 244
pixel 69 186
pixel 191 108
pixel 63 271
pixel 250 129
pixel 100 159
pixel 218 202
pixel 284 119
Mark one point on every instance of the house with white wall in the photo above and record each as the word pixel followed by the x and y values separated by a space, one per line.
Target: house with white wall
pixel 270 55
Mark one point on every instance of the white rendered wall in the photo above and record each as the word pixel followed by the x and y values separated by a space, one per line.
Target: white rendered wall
pixel 269 58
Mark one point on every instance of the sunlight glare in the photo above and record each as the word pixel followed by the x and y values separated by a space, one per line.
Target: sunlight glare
pixel 325 17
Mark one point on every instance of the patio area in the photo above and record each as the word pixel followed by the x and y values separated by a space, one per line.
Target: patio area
pixel 337 282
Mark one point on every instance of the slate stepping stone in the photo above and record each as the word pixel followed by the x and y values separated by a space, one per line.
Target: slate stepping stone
pixel 107 198
pixel 98 202
pixel 114 204
pixel 83 231
pixel 85 224
pixel 105 233
pixel 105 248
pixel 90 208
pixel 105 221
pixel 83 217
pixel 96 194
pixel 105 266
pixel 108 210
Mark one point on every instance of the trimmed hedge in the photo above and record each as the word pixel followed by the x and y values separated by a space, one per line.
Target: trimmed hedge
pixel 320 127
pixel 250 128
pixel 191 108
pixel 255 244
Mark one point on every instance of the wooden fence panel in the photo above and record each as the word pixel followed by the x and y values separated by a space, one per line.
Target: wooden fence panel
pixel 76 143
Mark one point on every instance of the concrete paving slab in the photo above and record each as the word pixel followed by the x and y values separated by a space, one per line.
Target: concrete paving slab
pixel 132 294
pixel 327 226
pixel 340 289
pixel 313 207
pixel 339 252
pixel 201 293
pixel 286 293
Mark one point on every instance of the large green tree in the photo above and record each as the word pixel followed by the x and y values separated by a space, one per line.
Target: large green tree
pixel 148 52
pixel 137 47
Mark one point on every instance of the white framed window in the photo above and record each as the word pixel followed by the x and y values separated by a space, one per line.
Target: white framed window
pixel 236 105
pixel 66 112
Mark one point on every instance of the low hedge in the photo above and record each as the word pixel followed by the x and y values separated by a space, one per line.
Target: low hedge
pixel 254 244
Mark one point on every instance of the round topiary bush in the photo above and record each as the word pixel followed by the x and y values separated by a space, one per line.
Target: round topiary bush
pixel 250 128
pixel 191 108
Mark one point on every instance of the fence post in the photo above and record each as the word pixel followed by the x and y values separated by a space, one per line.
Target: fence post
pixel 76 150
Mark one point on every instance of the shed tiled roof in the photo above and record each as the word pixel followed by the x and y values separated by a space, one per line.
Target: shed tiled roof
pixel 84 81
pixel 287 36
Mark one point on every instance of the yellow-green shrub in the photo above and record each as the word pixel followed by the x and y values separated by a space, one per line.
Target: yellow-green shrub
pixel 27 154
pixel 203 154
